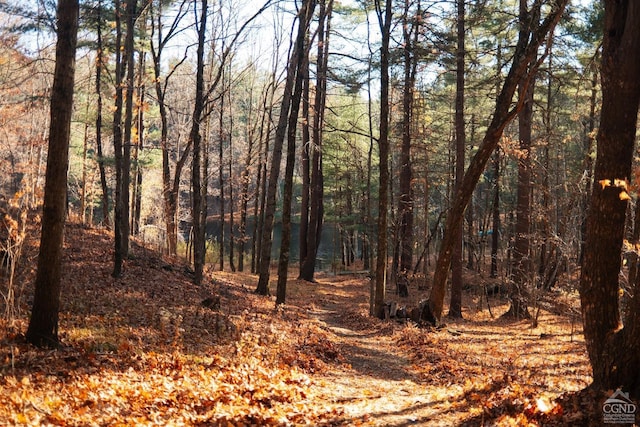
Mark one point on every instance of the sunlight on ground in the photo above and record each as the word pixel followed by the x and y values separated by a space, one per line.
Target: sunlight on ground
pixel 145 350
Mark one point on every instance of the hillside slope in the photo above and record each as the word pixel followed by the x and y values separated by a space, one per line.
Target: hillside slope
pixel 153 349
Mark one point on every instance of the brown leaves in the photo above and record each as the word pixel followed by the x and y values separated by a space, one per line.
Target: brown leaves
pixel 144 350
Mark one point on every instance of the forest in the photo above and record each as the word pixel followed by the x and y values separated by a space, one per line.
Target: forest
pixel 319 212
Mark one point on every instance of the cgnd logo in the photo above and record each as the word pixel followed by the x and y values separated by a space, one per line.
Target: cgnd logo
pixel 618 408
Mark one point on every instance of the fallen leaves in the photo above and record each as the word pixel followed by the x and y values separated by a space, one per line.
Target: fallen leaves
pixel 143 350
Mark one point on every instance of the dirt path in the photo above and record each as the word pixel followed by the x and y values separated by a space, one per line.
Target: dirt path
pixel 398 375
pixel 376 383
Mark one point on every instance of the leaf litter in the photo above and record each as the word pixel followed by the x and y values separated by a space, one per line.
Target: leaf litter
pixel 146 349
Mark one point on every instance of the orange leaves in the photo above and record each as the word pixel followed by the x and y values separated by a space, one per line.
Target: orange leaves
pixel 142 350
pixel 622 184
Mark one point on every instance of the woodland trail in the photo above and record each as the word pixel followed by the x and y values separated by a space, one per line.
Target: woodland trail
pixel 465 374
pixel 146 350
pixel 376 383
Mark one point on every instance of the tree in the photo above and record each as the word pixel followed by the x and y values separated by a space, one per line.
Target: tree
pixel 522 267
pixel 314 214
pixel 261 182
pixel 613 343
pixel 170 183
pixel 455 307
pixel 202 110
pixel 198 207
pixel 43 325
pixel 384 21
pixel 410 30
pixel 522 69
pixel 96 15
pixel 118 222
pixel 495 215
pixel 129 51
pixel 122 131
pixel 294 66
pixel 251 131
pixel 292 130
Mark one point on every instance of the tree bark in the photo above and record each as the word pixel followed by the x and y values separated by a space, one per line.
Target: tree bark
pixel 292 129
pixel 139 145
pixel 198 204
pixel 613 347
pixel 43 324
pixel 455 306
pixel 411 29
pixel 384 20
pixel 521 261
pixel 305 166
pixel 119 216
pixel 261 184
pixel 99 66
pixel 221 164
pixel 495 210
pixel 316 196
pixel 293 68
pixel 588 143
pixel 522 265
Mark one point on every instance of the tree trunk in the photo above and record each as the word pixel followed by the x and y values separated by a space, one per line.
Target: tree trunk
pixel 495 209
pixel 198 204
pixel 129 49
pixel 305 166
pixel 521 70
pixel 613 347
pixel 292 129
pixel 293 68
pixel 384 20
pixel 411 29
pixel 521 269
pixel 261 187
pixel 99 66
pixel 119 214
pixel 261 197
pixel 221 165
pixel 588 142
pixel 316 198
pixel 43 325
pixel 232 243
pixel 455 307
pixel 83 188
pixel 521 262
pixel 138 147
pixel 244 193
pixel 170 186
pixel 368 223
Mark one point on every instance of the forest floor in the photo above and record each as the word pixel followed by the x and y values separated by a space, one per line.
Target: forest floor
pixel 151 348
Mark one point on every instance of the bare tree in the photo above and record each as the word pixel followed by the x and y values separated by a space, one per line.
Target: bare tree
pixel 170 183
pixel 384 21
pixel 293 73
pixel 43 325
pixel 202 107
pixel 314 149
